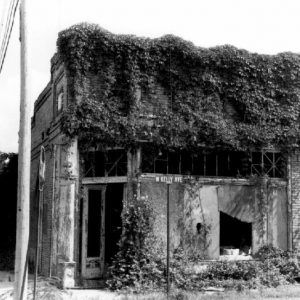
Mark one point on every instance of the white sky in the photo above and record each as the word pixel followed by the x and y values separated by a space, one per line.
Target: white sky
pixel 263 26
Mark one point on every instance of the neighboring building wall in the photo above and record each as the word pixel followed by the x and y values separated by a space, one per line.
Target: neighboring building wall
pixel 46 132
pixel 40 123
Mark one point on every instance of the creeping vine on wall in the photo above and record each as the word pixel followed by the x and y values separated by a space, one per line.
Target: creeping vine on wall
pixel 195 240
pixel 221 96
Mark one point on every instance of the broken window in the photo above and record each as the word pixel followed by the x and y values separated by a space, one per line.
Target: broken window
pixel 161 162
pixel 115 163
pixel 186 163
pixel 224 164
pixel 199 164
pixel 108 163
pixel 267 163
pixel 210 163
pixel 235 236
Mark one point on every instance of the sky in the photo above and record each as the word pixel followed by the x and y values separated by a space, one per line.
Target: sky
pixel 263 26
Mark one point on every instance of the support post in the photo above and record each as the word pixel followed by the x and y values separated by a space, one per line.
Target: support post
pixel 22 236
pixel 38 241
pixel 168 238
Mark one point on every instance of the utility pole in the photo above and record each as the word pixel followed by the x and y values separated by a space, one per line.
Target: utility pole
pixel 22 238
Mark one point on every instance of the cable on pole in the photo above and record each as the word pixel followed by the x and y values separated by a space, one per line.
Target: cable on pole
pixel 8 29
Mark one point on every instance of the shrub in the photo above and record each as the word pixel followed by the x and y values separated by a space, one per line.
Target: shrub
pixel 271 268
pixel 138 264
pixel 269 252
pixel 244 270
pixel 285 262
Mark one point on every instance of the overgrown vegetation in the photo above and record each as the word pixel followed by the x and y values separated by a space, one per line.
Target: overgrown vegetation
pixel 221 96
pixel 140 264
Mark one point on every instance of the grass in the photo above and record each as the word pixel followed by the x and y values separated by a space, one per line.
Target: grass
pixel 282 292
pixel 47 290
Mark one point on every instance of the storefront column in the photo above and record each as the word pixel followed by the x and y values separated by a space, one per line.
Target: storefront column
pixel 68 183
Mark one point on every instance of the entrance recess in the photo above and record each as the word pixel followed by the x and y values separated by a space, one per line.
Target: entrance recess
pixel 101 227
pixel 93 231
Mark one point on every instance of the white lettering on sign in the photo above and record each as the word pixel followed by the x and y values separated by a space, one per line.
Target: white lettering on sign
pixel 169 179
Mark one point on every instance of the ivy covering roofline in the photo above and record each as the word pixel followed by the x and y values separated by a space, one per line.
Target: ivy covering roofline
pixel 221 97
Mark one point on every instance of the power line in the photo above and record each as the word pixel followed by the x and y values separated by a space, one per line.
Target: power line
pixel 8 29
pixel 6 34
pixel 7 24
pixel 4 9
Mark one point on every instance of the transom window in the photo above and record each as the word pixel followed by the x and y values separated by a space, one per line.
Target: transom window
pixel 205 163
pixel 108 163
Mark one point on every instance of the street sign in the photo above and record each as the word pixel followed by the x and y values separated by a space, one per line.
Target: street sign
pixel 169 179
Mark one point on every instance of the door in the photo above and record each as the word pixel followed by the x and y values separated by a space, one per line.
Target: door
pixel 93 231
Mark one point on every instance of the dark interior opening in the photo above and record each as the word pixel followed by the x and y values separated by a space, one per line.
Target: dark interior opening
pixel 210 164
pixel 94 223
pixel 8 186
pixel 113 220
pixel 235 234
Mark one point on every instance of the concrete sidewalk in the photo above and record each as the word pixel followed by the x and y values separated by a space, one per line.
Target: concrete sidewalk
pixel 6 293
pixel 46 291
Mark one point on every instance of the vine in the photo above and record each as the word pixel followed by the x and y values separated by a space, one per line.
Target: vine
pixel 222 96
pixel 196 243
pixel 262 205
pixel 139 262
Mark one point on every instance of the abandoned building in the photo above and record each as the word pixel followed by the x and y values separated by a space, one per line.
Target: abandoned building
pixel 104 121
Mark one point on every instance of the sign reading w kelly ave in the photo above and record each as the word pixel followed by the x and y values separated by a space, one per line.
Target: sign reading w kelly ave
pixel 169 178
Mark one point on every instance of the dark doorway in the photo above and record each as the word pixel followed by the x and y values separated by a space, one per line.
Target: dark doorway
pixel 8 187
pixel 94 223
pixel 234 233
pixel 113 220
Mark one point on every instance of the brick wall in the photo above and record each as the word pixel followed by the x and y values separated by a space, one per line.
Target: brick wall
pixel 44 132
pixel 47 215
pixel 46 198
pixel 33 211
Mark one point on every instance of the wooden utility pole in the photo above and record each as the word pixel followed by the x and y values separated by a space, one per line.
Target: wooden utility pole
pixel 22 238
